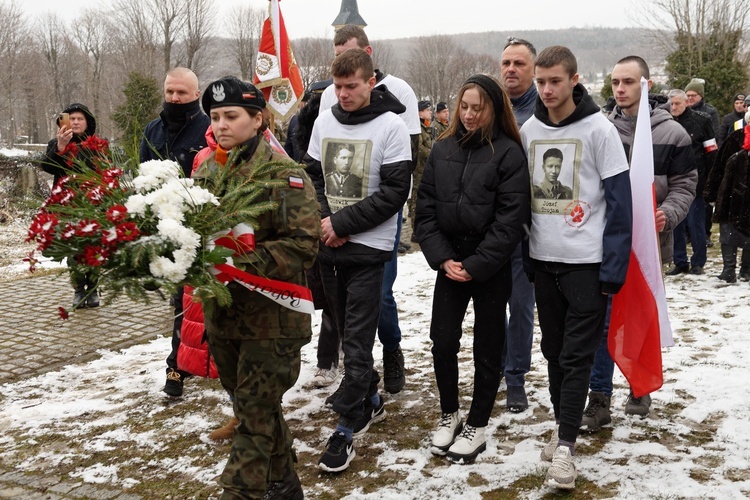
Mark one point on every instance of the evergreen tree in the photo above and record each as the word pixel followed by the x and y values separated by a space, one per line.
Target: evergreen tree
pixel 714 57
pixel 142 99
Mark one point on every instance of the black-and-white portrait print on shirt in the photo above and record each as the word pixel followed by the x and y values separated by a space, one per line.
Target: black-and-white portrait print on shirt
pixel 555 166
pixel 346 168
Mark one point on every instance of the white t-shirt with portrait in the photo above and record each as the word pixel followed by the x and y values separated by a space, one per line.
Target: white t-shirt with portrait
pixel 571 229
pixel 381 141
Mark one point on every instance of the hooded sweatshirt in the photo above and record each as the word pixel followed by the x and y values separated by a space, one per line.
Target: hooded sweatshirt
pixel 675 176
pixel 595 225
pixel 381 162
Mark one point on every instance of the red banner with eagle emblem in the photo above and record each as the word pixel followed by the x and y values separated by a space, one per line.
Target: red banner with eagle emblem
pixel 276 71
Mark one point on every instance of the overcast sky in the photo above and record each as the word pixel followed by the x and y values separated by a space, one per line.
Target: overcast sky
pixel 403 18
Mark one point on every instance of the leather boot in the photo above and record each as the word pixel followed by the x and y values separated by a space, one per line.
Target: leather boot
pixel 729 258
pixel 226 431
pixel 288 489
pixel 79 298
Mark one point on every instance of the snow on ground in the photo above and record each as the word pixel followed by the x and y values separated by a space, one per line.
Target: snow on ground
pixel 695 443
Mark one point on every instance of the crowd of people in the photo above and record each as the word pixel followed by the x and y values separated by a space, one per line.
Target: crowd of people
pixel 519 197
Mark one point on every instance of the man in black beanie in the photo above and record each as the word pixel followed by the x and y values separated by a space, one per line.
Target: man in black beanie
pixel 178 134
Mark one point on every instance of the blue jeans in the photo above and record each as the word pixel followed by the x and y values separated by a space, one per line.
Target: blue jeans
pixel 519 324
pixel 695 223
pixel 389 332
pixel 604 367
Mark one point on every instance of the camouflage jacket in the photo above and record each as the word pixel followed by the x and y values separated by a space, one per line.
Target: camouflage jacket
pixel 286 246
pixel 438 128
pixel 425 145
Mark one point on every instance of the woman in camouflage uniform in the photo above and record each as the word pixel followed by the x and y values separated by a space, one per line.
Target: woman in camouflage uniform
pixel 255 341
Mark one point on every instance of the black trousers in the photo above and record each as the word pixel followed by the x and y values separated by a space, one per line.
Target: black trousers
pixel 353 293
pixel 571 311
pixel 449 303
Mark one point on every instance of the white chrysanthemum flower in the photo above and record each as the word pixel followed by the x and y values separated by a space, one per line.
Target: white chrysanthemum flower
pixel 136 204
pixel 154 173
pixel 182 236
pixel 162 267
pixel 201 196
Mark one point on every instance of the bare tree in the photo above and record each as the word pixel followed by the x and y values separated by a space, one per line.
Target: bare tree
pixel 170 17
pixel 199 23
pixel 433 70
pixel 61 61
pixel 707 39
pixel 135 37
pixel 12 37
pixel 314 56
pixel 244 29
pixel 91 32
pixel 384 57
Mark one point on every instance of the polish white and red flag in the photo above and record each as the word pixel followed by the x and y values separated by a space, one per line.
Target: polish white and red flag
pixel 639 322
pixel 276 71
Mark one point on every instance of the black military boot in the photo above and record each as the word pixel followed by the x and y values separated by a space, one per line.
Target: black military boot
pixel 729 256
pixel 288 489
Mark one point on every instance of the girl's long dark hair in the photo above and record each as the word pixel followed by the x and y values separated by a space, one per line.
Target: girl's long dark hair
pixel 506 122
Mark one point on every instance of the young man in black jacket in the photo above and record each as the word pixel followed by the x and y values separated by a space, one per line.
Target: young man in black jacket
pixel 178 134
pixel 358 232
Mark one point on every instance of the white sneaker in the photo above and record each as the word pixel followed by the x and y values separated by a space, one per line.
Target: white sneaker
pixel 448 428
pixel 562 473
pixel 324 377
pixel 470 443
pixel 549 449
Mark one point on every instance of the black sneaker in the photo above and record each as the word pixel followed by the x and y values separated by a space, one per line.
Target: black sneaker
pixel 339 453
pixel 287 489
pixel 393 371
pixel 744 275
pixel 677 270
pixel 371 416
pixel 330 400
pixel 174 384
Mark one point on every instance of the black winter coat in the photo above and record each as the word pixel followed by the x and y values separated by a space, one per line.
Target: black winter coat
pixel 155 144
pixel 699 127
pixel 473 204
pixel 733 200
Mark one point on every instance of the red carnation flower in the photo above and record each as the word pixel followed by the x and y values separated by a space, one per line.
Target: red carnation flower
pixel 32 261
pixel 96 195
pixel 68 231
pixel 63 313
pixel 94 255
pixel 87 227
pixel 117 213
pixel 127 231
pixel 109 237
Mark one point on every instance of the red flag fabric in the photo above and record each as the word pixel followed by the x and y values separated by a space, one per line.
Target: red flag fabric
pixel 639 321
pixel 276 71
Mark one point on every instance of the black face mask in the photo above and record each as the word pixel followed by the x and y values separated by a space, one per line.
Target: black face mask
pixel 176 114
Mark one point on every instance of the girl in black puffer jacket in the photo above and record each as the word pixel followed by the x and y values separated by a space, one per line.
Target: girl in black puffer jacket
pixel 472 209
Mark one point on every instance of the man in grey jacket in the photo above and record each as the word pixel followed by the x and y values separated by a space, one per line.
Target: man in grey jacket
pixel 675 179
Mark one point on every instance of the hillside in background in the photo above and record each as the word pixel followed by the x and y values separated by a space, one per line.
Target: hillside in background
pixel 597 49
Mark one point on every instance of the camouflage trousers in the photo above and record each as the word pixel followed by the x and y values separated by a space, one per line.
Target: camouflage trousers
pixel 257 373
